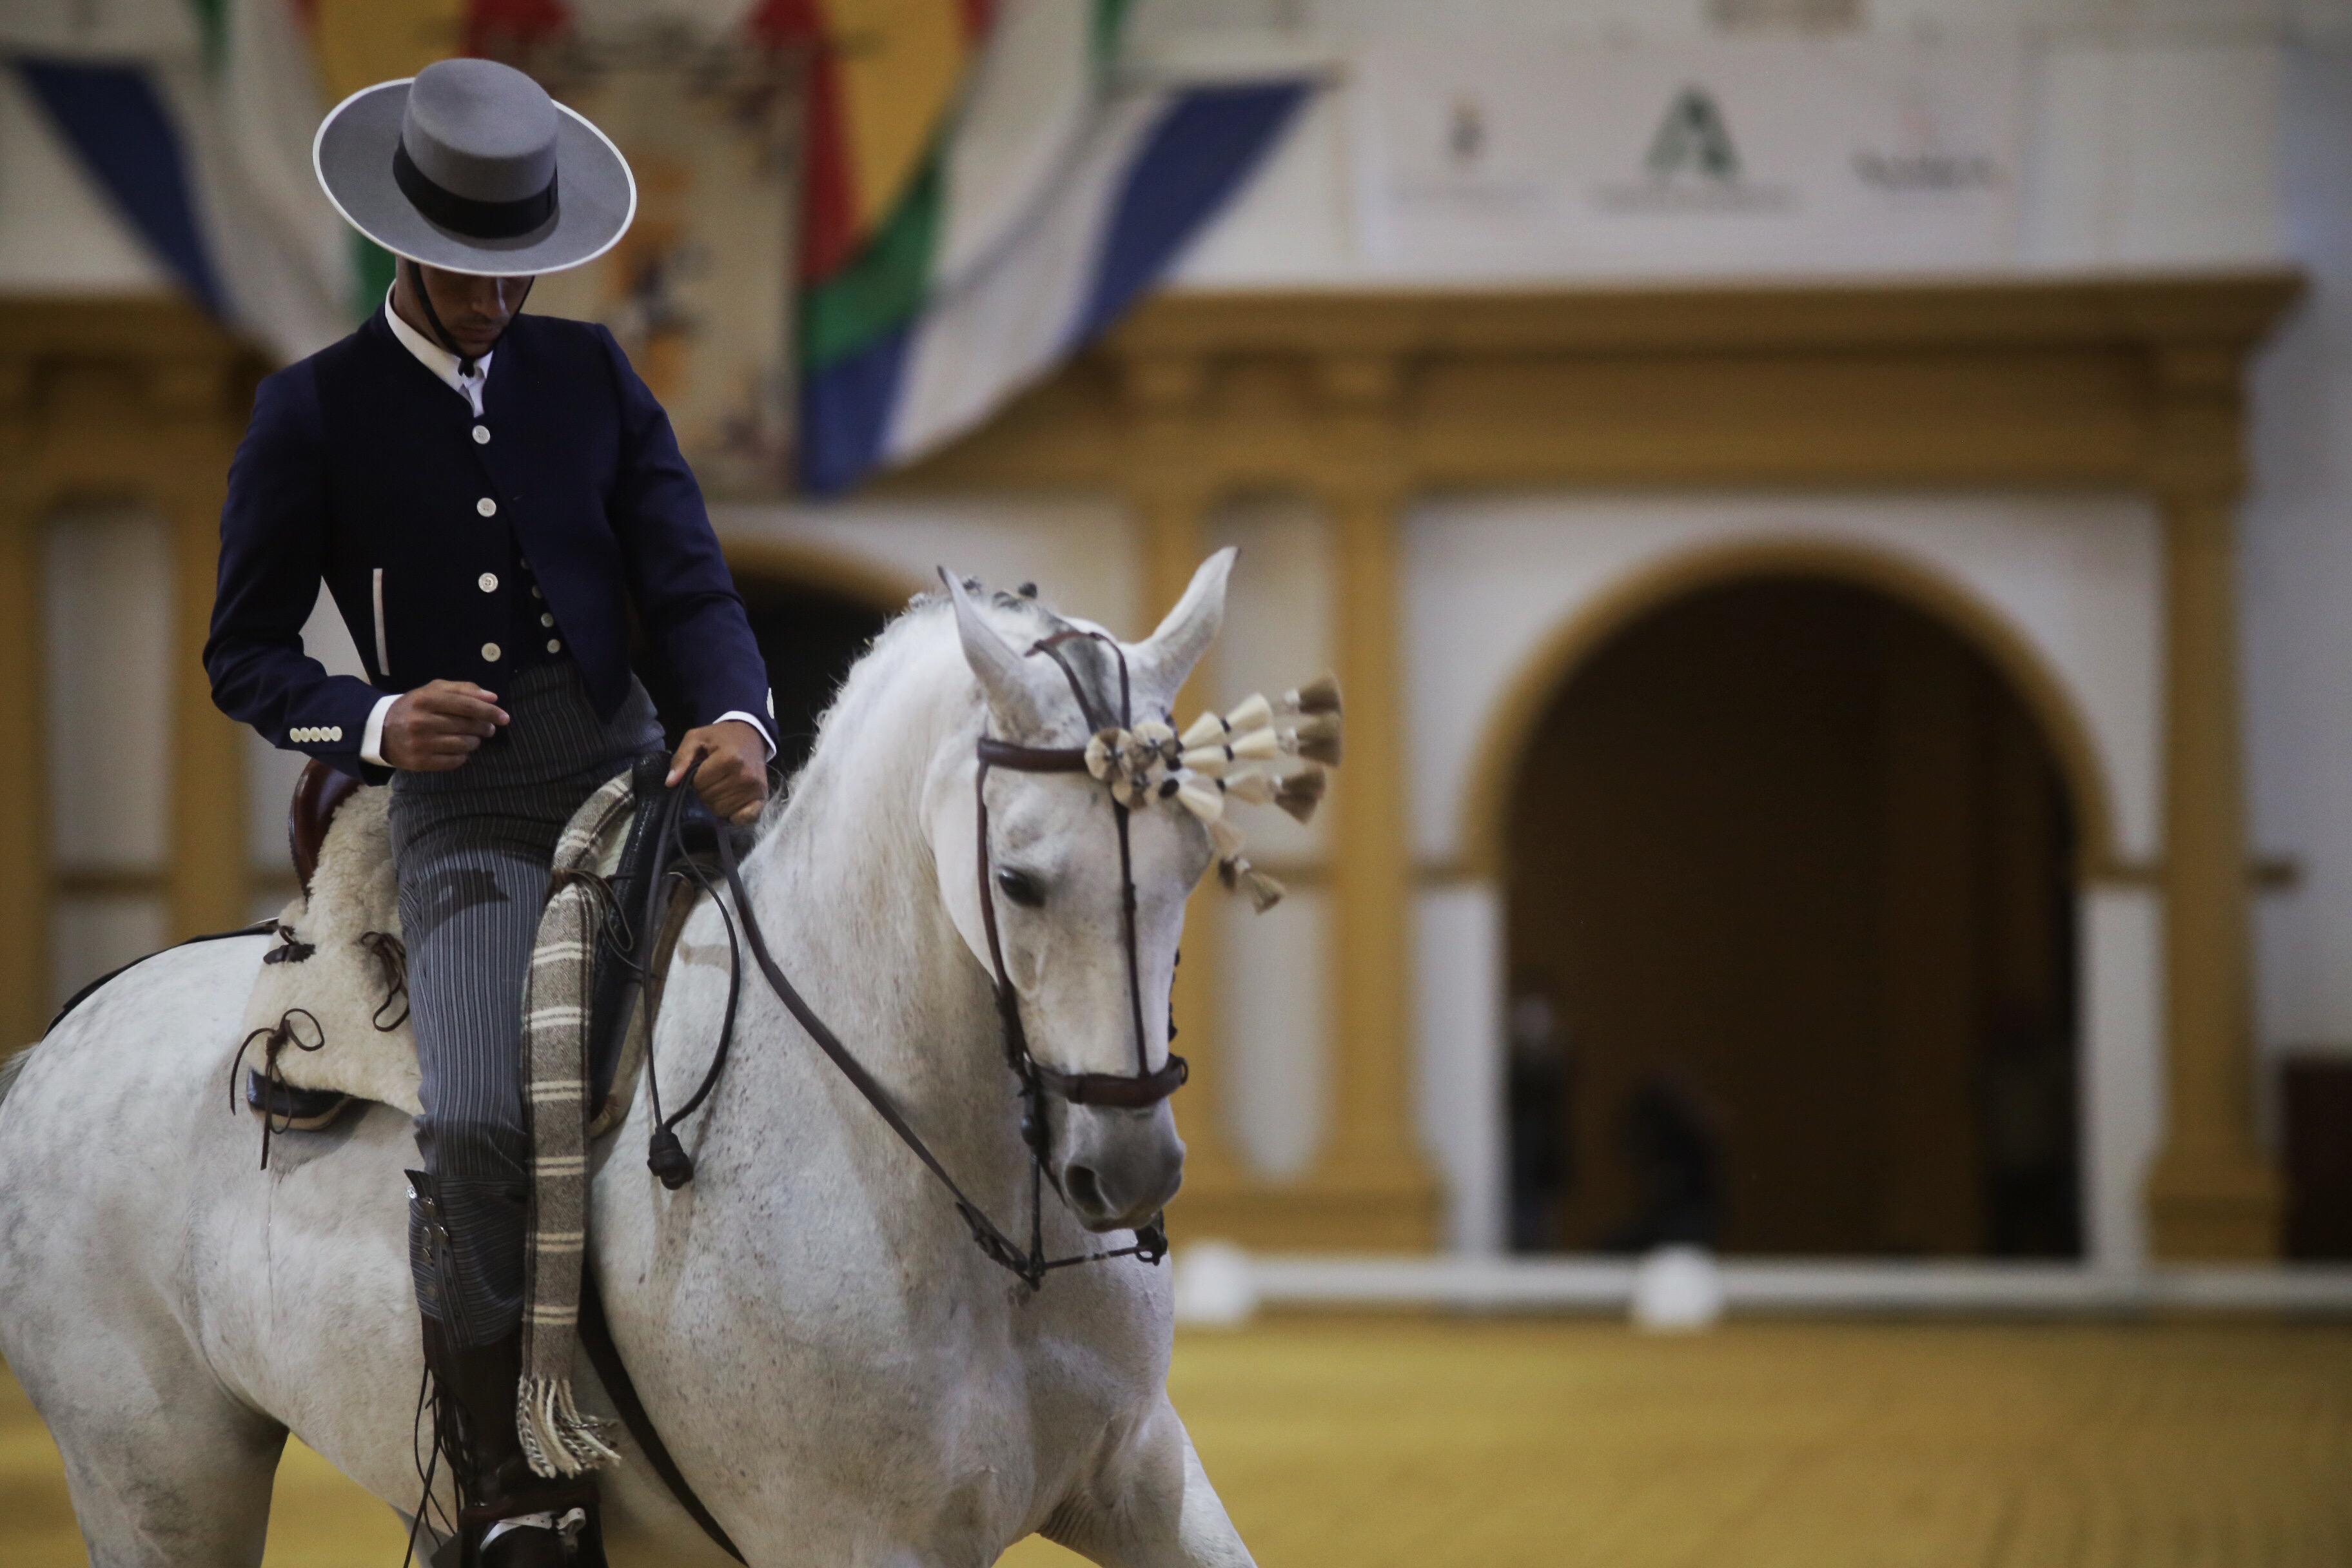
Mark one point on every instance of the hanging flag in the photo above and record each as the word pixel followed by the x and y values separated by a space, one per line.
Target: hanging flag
pixel 1050 200
pixel 882 77
pixel 117 123
pixel 896 375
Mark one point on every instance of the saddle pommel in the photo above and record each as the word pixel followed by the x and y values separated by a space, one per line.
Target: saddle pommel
pixel 319 794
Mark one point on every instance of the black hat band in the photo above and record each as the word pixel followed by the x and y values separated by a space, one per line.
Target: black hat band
pixel 463 215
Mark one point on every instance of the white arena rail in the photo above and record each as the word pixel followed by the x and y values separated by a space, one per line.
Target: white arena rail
pixel 1216 1283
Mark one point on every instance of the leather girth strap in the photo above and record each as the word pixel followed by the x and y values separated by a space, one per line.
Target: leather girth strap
pixel 596 1338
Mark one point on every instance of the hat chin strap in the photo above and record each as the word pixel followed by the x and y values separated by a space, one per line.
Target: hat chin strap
pixel 415 275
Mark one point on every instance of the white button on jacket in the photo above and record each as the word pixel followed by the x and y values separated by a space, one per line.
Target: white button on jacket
pixel 491 652
pixel 487 507
pixel 481 434
pixel 488 582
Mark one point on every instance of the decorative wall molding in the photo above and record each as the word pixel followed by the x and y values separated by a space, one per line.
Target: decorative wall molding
pixel 2062 383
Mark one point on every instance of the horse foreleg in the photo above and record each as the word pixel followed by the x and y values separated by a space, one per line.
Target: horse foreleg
pixel 1152 1507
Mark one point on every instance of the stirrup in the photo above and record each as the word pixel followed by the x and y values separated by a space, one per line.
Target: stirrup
pixel 564 1528
pixel 569 1525
pixel 567 1508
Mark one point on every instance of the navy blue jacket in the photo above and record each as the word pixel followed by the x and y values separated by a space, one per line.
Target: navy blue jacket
pixel 363 468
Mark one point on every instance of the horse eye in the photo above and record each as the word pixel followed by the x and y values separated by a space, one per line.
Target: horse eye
pixel 1020 886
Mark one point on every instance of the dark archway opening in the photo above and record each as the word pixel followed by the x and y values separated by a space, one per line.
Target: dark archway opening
pixel 809 636
pixel 1790 928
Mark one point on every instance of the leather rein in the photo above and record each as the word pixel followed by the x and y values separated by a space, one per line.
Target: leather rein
pixel 1025 1260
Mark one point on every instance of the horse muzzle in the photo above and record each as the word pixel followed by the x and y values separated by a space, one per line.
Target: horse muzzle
pixel 1119 1165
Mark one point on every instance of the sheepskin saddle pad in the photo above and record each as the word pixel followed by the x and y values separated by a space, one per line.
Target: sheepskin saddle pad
pixel 327 1023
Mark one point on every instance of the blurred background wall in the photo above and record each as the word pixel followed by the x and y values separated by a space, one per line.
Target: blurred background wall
pixel 1830 513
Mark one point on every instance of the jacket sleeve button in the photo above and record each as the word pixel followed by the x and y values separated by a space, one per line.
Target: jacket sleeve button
pixel 488 582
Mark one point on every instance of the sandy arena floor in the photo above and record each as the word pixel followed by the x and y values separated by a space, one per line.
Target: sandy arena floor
pixel 1368 1441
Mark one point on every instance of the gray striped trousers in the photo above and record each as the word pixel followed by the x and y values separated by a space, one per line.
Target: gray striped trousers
pixel 472 847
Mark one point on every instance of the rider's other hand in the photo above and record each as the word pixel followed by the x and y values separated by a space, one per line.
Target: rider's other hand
pixel 733 781
pixel 437 727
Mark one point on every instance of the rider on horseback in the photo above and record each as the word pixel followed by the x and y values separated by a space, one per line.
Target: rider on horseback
pixel 486 496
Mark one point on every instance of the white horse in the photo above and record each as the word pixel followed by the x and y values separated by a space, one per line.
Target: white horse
pixel 838 1371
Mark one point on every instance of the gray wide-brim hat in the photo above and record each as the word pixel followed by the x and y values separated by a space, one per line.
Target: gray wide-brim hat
pixel 469 166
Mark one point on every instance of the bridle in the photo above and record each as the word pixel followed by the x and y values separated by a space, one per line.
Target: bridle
pixel 1028 1261
pixel 1144 1086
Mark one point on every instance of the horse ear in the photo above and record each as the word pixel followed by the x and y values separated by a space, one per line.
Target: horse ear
pixel 1003 675
pixel 1167 657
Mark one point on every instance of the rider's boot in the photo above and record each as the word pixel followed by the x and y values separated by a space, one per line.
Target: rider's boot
pixel 508 1516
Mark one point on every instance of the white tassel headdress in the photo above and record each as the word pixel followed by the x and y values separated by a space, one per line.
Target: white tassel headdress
pixel 1224 759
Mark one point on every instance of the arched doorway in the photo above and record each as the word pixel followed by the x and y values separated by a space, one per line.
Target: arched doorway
pixel 809 632
pixel 1789 880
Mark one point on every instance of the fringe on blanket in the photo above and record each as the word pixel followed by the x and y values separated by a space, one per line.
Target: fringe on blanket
pixel 556 1438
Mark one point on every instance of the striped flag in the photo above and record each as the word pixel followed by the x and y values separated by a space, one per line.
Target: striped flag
pixel 883 75
pixel 1054 197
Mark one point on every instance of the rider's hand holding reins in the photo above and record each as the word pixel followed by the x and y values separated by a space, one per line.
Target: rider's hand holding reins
pixel 437 726
pixel 733 781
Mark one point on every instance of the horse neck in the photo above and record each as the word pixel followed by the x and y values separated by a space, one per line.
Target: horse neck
pixel 846 887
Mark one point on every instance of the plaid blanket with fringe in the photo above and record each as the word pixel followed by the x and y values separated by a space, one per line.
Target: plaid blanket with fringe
pixel 557 1438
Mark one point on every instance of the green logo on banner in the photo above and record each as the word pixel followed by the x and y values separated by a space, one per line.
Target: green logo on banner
pixel 1693 137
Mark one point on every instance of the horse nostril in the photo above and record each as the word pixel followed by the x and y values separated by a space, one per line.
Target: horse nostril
pixel 1085 1189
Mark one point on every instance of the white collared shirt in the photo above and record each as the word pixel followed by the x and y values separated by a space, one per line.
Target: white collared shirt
pixel 445 364
pixel 438 360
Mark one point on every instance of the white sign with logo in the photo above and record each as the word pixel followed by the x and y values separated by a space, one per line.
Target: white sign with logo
pixel 1527 157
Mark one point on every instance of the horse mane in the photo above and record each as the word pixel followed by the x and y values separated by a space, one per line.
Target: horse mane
pixel 924 630
pixel 13 1067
